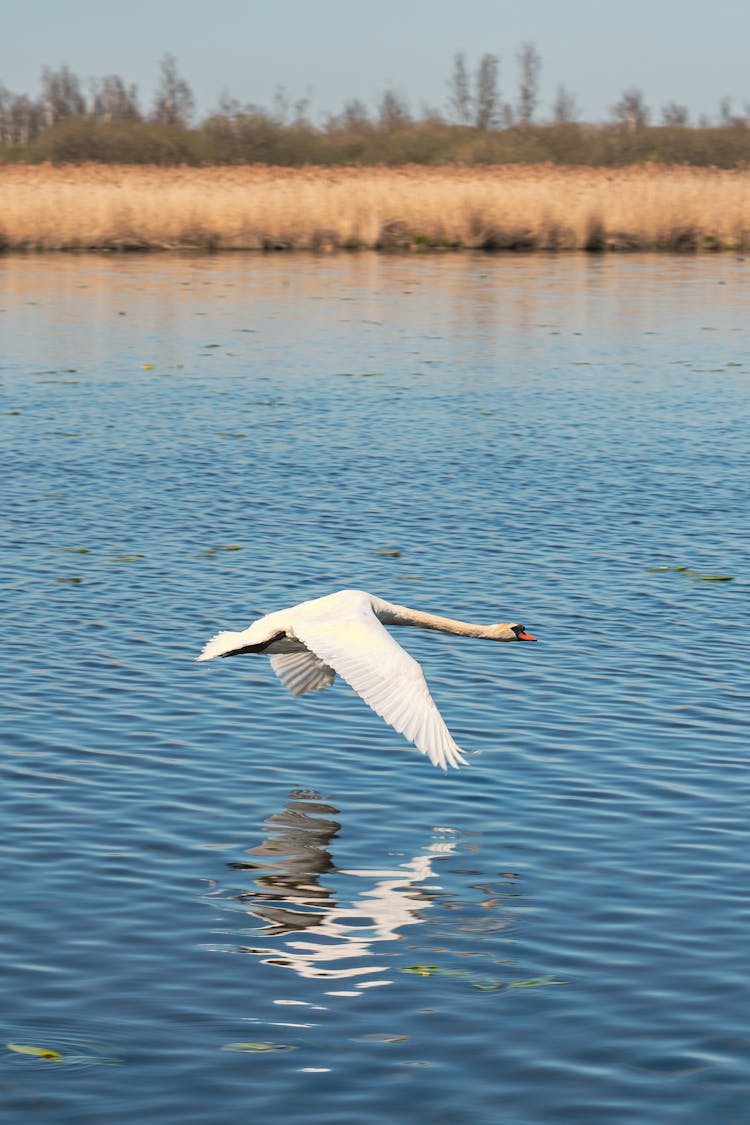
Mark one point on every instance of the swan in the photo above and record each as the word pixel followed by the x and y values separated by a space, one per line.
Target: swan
pixel 343 632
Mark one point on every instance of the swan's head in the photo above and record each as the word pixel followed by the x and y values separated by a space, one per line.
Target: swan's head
pixel 510 632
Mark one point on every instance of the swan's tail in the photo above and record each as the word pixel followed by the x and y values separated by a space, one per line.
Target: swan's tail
pixel 220 645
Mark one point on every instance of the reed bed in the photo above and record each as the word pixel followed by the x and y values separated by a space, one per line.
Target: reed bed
pixel 508 207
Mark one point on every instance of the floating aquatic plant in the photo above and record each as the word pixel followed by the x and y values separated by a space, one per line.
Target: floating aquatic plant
pixel 76 1053
pixel 257 1048
pixel 210 552
pixel 381 1037
pixel 38 1052
pixel 688 573
pixel 481 983
pixel 537 982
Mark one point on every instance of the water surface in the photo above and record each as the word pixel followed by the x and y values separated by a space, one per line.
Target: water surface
pixel 224 904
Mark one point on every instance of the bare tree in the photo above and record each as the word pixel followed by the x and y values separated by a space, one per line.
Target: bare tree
pixel 302 111
pixel 61 95
pixel 354 115
pixel 22 118
pixel 530 65
pixel 112 100
pixel 564 110
pixel 674 114
pixel 460 98
pixel 727 118
pixel 174 101
pixel 6 101
pixel 228 106
pixel 631 111
pixel 280 112
pixel 393 112
pixel 487 101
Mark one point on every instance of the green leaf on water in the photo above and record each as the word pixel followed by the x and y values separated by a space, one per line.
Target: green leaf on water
pixel 382 1037
pixel 688 573
pixel 73 578
pixel 389 553
pixel 537 982
pixel 421 970
pixel 210 552
pixel 257 1048
pixel 124 558
pixel 39 1052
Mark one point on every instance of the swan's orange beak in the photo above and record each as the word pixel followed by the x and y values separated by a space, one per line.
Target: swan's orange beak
pixel 525 637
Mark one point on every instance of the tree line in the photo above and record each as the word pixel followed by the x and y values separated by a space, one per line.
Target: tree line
pixel 104 121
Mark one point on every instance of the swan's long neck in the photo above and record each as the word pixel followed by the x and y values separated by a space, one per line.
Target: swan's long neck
pixel 402 615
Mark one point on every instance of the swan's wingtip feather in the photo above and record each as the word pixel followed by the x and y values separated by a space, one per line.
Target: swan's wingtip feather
pixel 454 760
pixel 216 646
pixel 444 754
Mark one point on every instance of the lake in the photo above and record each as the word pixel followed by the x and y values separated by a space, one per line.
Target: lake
pixel 224 904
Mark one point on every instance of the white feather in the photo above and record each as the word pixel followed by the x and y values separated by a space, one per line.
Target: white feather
pixel 301 672
pixel 221 643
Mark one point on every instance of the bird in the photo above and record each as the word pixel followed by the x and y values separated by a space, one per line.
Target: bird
pixel 344 633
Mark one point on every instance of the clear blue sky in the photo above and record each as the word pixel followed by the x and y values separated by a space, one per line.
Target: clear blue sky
pixel 332 50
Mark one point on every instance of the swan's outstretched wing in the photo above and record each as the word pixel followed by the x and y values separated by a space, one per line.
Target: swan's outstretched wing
pixel 301 672
pixel 363 652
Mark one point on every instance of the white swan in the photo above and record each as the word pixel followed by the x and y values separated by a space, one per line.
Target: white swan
pixel 343 632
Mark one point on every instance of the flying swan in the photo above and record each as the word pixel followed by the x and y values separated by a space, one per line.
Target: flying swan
pixel 343 632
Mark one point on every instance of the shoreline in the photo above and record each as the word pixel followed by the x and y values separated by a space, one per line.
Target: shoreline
pixel 417 208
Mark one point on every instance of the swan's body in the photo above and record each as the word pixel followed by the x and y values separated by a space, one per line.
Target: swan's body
pixel 343 632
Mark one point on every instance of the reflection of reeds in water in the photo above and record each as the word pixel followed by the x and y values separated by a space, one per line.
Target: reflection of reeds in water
pixel 519 207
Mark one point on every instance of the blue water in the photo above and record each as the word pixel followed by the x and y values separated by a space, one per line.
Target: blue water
pixel 221 904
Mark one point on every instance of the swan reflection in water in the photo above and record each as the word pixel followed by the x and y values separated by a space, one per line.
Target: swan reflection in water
pixel 323 935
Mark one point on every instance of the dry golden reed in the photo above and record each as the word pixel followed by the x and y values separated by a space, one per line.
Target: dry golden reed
pixel 545 207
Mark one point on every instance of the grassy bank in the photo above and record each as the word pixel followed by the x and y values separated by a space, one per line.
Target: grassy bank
pixel 510 207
